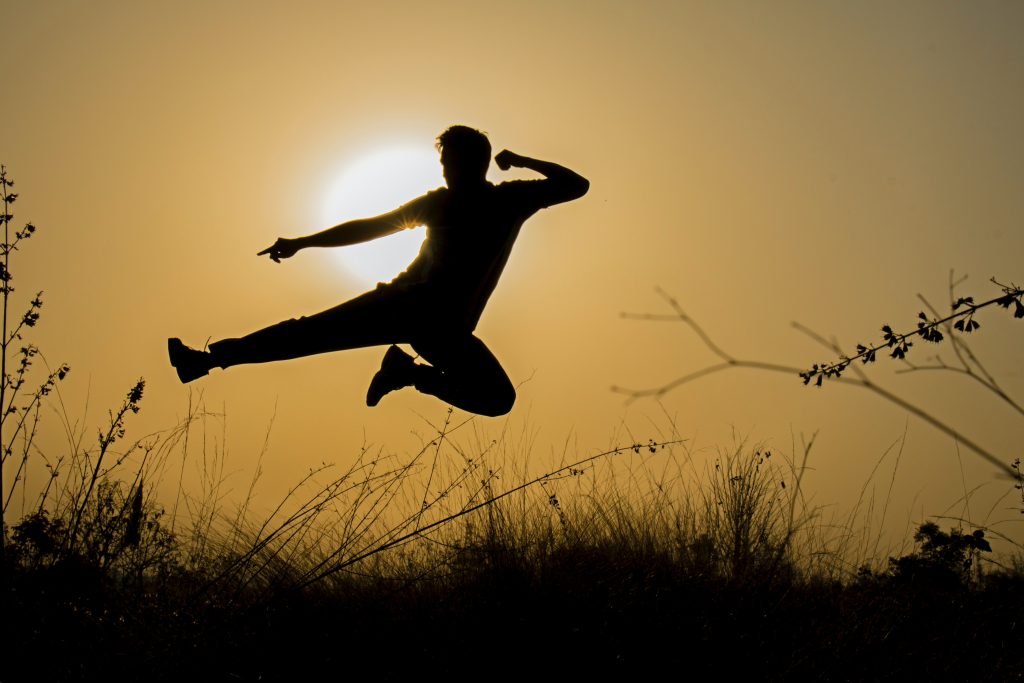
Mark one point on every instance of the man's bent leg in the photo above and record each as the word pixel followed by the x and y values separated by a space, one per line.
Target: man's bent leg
pixel 464 373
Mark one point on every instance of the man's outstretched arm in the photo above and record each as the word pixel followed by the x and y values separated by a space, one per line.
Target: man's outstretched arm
pixel 566 184
pixel 342 235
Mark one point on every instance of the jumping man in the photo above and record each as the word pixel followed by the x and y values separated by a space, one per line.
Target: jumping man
pixel 435 304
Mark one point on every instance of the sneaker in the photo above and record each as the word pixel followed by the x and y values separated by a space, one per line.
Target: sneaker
pixel 189 363
pixel 395 372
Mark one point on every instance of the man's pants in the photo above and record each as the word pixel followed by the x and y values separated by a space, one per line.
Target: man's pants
pixel 462 370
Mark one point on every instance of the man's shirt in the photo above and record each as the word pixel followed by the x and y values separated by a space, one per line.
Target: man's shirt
pixel 470 233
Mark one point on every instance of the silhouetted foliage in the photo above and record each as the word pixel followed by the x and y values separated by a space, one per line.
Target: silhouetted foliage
pixel 83 516
pixel 19 405
pixel 585 580
pixel 942 558
pixel 898 343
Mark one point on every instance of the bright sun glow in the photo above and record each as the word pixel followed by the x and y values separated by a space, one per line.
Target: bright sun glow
pixel 372 185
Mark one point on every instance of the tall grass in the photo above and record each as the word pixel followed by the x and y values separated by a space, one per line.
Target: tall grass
pixel 457 546
pixel 471 545
pixel 737 518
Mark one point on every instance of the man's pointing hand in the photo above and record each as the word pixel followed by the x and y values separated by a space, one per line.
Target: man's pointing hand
pixel 282 248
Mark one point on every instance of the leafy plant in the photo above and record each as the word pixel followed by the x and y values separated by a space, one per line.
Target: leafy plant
pixel 84 512
pixel 944 558
pixel 19 404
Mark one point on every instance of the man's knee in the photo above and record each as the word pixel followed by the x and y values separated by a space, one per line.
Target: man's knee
pixel 499 402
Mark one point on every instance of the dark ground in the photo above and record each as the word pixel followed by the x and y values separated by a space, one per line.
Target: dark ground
pixel 584 615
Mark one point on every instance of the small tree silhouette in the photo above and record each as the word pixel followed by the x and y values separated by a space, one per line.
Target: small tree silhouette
pixel 943 558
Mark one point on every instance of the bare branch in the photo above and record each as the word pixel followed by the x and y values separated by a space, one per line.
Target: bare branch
pixel 859 380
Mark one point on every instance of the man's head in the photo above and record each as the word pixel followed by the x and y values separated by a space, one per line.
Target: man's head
pixel 465 155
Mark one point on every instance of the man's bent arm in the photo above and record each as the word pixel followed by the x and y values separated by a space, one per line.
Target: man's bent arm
pixel 571 185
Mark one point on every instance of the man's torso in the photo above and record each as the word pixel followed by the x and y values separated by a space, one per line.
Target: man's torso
pixel 470 234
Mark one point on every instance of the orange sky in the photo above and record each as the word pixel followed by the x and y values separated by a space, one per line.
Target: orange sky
pixel 817 162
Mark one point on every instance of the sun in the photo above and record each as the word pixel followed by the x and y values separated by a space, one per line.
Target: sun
pixel 373 184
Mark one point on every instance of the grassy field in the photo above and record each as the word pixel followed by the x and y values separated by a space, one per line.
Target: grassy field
pixel 455 561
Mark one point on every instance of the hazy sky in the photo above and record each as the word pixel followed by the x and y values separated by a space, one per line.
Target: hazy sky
pixel 821 162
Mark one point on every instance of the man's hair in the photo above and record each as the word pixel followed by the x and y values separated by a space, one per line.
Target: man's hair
pixel 469 146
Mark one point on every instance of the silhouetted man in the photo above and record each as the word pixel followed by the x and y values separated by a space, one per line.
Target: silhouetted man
pixel 435 304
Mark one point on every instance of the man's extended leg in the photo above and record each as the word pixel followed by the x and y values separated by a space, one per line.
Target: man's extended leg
pixel 462 372
pixel 381 316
